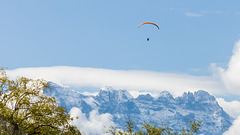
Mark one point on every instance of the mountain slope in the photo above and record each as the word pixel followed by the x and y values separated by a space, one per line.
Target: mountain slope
pixel 122 105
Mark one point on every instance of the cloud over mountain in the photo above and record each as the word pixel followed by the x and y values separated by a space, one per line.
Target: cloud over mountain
pixel 121 79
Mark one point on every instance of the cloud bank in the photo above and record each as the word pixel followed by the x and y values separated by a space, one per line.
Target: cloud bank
pixel 121 79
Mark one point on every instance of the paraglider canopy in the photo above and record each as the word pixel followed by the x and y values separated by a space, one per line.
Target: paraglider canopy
pixel 148 23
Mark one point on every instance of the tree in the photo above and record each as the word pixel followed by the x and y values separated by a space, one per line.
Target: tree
pixel 194 126
pixel 25 109
pixel 148 129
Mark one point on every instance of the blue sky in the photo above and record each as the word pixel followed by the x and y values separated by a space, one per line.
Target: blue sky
pixel 105 34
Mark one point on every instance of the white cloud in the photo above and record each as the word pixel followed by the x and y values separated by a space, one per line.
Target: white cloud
pixel 191 14
pixel 122 79
pixel 232 108
pixel 234 129
pixel 95 124
pixel 231 76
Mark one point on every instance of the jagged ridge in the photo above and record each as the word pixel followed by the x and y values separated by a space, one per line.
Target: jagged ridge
pixel 122 105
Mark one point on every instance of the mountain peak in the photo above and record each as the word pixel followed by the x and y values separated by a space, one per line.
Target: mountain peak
pixel 201 95
pixel 146 97
pixel 107 88
pixel 165 94
pixel 110 93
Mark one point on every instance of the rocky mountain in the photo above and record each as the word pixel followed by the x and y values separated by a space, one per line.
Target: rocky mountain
pixel 165 109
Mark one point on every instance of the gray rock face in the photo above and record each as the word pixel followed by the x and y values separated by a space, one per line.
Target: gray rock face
pixel 174 112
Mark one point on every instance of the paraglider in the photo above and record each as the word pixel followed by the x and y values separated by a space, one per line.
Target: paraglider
pixel 150 24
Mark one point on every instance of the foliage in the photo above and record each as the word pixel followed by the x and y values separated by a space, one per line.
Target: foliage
pixel 25 109
pixel 129 126
pixel 155 129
